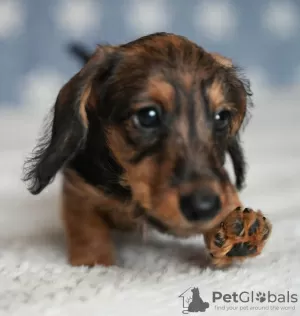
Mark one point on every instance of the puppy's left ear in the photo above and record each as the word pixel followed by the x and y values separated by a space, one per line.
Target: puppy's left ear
pixel 68 129
pixel 243 90
pixel 242 86
pixel 236 154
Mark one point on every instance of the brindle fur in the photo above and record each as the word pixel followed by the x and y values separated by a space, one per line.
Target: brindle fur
pixel 117 177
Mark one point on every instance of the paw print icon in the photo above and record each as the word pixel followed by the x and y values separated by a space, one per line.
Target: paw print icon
pixel 261 297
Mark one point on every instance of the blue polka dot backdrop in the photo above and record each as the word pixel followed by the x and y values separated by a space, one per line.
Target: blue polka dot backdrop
pixel 261 36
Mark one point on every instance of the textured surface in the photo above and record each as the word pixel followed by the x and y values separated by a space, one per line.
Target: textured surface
pixel 34 276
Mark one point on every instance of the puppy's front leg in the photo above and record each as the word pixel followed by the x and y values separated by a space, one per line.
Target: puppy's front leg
pixel 88 237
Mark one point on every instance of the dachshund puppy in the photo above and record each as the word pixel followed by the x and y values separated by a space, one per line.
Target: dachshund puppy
pixel 140 134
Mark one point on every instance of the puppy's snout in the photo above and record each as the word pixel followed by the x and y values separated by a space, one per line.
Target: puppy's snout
pixel 200 205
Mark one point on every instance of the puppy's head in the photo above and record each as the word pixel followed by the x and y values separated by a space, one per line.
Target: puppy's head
pixel 169 112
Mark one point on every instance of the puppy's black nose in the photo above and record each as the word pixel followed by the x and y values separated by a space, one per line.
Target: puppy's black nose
pixel 200 205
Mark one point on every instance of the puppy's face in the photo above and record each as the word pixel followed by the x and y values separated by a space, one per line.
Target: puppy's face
pixel 170 112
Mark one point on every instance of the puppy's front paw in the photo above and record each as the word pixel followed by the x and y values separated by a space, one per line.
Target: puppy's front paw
pixel 242 234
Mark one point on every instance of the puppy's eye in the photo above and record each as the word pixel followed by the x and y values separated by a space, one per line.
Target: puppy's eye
pixel 149 117
pixel 222 120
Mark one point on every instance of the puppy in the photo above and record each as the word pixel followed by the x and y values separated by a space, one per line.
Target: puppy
pixel 140 134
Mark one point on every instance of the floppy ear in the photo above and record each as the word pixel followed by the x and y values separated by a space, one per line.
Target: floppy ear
pixel 238 160
pixel 234 148
pixel 67 131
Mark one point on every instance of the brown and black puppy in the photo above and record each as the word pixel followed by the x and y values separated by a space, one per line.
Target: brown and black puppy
pixel 141 134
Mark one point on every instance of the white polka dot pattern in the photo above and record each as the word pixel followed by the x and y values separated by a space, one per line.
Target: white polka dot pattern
pixel 261 36
pixel 12 16
pixel 147 16
pixel 76 17
pixel 217 19
pixel 281 19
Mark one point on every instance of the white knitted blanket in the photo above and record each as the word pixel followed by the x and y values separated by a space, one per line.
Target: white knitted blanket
pixel 36 280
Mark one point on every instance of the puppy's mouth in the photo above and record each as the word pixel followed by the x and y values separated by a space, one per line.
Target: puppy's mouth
pixel 140 213
pixel 187 220
pixel 165 227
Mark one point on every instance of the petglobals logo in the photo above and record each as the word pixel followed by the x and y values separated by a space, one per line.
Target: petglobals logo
pixel 254 300
pixel 254 297
pixel 194 301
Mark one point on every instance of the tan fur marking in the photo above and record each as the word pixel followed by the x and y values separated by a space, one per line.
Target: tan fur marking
pixel 83 102
pixel 88 215
pixel 161 92
pixel 216 95
pixel 224 61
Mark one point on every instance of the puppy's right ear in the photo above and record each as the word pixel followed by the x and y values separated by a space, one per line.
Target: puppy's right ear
pixel 67 131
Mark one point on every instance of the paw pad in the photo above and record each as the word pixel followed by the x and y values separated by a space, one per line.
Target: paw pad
pixel 242 234
pixel 241 249
pixel 253 228
pixel 238 227
pixel 219 240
